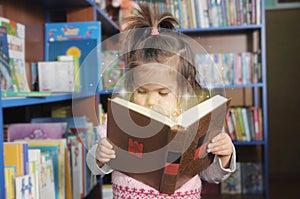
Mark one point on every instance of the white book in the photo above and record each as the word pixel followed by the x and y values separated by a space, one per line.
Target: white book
pixel 47 180
pixel 25 187
pixel 34 158
pixel 56 76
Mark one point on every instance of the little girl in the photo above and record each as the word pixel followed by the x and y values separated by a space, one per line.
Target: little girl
pixel 160 76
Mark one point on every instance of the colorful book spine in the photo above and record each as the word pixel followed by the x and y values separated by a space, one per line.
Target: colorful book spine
pixel 10 174
pixel 13 156
pixel 230 126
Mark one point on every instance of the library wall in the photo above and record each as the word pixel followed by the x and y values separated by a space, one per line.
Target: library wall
pixel 283 69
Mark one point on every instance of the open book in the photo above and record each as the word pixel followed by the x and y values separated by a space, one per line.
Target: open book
pixel 159 151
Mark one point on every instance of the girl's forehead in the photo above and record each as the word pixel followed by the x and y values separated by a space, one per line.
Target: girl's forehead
pixel 159 74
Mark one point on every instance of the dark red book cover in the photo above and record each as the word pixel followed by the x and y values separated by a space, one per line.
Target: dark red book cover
pixel 158 152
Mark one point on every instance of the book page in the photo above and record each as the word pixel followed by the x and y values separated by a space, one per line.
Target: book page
pixel 199 111
pixel 185 119
pixel 145 111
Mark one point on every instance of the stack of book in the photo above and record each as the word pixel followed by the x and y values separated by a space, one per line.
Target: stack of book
pixel 48 156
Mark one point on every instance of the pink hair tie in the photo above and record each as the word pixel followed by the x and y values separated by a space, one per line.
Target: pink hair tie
pixel 154 31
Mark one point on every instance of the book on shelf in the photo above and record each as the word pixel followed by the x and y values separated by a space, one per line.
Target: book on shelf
pixel 9 94
pixel 233 184
pixel 15 155
pixel 34 76
pixel 81 39
pixel 229 125
pixel 68 179
pixel 230 68
pixel 46 185
pixel 53 153
pixel 61 110
pixel 240 134
pixel 75 61
pixel 9 82
pixel 19 131
pixel 56 150
pixel 76 148
pixel 8 79
pixel 56 76
pixel 16 50
pixel 80 131
pixel 25 187
pixel 171 151
pixel 75 126
pixel 247 179
pixel 243 123
pixel 213 13
pixel 10 174
pixel 252 178
pixel 34 159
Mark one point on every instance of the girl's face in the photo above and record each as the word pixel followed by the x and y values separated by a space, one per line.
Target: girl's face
pixel 156 89
pixel 156 97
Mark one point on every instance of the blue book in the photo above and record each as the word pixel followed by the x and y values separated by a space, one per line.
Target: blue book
pixel 25 158
pixel 80 39
pixel 53 151
pixel 88 60
pixel 73 31
pixel 5 69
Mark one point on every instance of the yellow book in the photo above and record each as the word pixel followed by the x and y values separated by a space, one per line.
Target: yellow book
pixel 236 123
pixel 10 174
pixel 13 156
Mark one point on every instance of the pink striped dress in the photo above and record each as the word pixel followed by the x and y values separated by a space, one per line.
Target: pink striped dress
pixel 125 187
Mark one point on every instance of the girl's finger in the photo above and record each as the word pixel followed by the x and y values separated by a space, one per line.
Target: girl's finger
pixel 104 142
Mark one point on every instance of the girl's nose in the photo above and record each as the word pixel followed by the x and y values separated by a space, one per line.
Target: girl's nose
pixel 152 99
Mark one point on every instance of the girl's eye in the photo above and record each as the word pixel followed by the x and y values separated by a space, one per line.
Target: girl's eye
pixel 140 91
pixel 163 93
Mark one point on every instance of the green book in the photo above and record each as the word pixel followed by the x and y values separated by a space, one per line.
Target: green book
pixel 25 94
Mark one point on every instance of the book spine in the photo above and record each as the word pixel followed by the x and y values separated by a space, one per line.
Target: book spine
pixel 239 136
pixel 230 125
pixel 260 122
pixel 256 122
pixel 246 124
pixel 251 123
pixel 25 158
pixel 10 174
pixel 240 120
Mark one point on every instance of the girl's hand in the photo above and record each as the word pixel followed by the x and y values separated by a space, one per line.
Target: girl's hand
pixel 104 151
pixel 221 145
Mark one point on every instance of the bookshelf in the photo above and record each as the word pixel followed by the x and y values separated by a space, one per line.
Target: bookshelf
pixel 34 14
pixel 234 38
pixel 235 30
